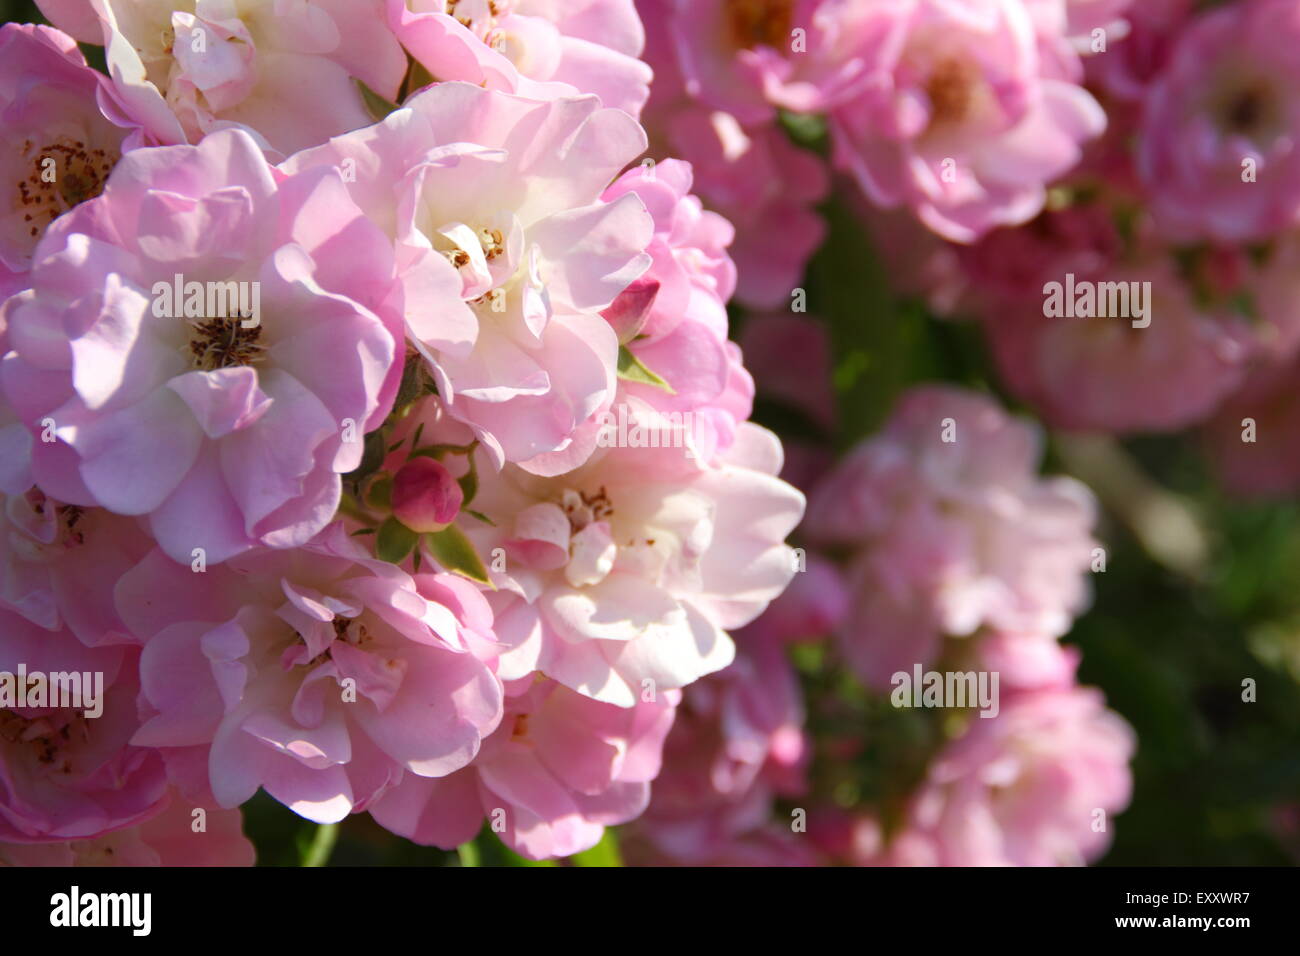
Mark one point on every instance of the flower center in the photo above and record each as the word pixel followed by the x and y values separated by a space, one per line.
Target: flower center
pixel 63 174
pixel 69 518
pixel 480 18
pixel 1248 110
pixel 491 241
pixel 45 735
pixel 519 731
pixel 351 631
pixel 760 22
pixel 950 92
pixel 224 343
pixel 346 629
pixel 70 528
pixel 582 508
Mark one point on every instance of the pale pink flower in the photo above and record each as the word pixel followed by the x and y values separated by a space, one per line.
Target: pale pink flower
pixel 320 674
pixel 626 573
pixel 1103 373
pixel 951 530
pixel 59 564
pixel 737 744
pixel 1034 786
pixel 560 769
pixel 969 115
pixel 767 188
pixel 1008 267
pixel 1023 660
pixel 1219 147
pixel 538 48
pixel 168 839
pixel 1253 440
pixel 812 607
pixel 1131 62
pixel 506 253
pixel 681 330
pixel 61 147
pixel 226 431
pixel 748 57
pixel 1084 16
pixel 72 773
pixel 1079 24
pixel 285 72
pixel 764 185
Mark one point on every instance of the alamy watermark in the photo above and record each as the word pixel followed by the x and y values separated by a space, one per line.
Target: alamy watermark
pixel 946 689
pixel 75 908
pixel 228 299
pixel 75 690
pixel 622 428
pixel 1102 300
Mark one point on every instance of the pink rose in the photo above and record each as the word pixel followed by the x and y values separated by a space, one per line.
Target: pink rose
pixel 320 674
pixel 748 57
pixel 284 72
pixel 69 769
pixel 63 146
pixel 227 423
pixel 1025 788
pixel 1219 147
pixel 970 113
pixel 506 253
pixel 59 564
pixel 559 770
pixel 172 838
pixel 538 48
pixel 950 530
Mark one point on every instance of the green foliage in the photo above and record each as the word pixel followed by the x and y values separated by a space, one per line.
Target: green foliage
pixel 453 550
pixel 632 369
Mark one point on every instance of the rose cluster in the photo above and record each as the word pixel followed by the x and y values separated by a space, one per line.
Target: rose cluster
pixel 375 430
pixel 372 441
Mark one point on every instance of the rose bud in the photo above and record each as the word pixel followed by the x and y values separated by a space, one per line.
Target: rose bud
pixel 425 495
pixel 628 312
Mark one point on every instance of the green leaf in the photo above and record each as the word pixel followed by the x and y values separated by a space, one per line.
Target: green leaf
pixel 805 129
pixel 376 105
pixel 417 78
pixel 453 551
pixel 415 381
pixel 380 493
pixel 469 854
pixel 632 369
pixel 469 482
pixel 604 853
pixel 373 453
pixel 395 541
pixel 322 845
pixel 480 516
pixel 878 349
pixel 437 451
